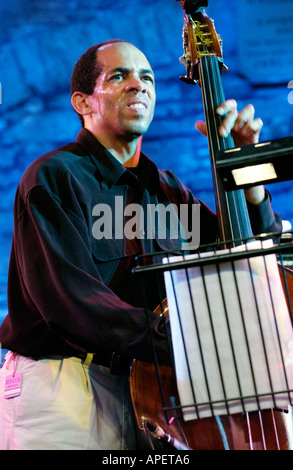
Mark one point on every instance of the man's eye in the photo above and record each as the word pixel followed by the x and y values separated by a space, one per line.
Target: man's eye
pixel 148 78
pixel 117 76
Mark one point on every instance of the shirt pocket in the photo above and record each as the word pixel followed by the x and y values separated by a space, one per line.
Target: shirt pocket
pixel 107 255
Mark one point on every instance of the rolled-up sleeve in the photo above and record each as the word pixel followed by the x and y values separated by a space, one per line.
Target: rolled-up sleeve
pixel 263 218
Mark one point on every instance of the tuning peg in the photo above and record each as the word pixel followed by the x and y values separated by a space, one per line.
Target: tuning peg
pixel 183 60
pixel 188 80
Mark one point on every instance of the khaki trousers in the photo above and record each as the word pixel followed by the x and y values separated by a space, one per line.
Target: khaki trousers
pixel 65 404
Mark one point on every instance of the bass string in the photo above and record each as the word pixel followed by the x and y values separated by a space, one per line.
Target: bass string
pixel 237 203
pixel 213 138
pixel 213 97
pixel 275 429
pixel 262 428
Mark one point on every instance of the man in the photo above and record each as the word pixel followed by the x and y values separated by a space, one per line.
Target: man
pixel 76 318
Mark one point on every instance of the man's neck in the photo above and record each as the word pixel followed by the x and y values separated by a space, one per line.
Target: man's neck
pixel 127 152
pixel 128 155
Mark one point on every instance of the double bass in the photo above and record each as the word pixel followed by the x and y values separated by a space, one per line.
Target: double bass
pixel 259 430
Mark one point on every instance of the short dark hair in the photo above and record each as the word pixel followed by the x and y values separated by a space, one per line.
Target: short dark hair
pixel 87 69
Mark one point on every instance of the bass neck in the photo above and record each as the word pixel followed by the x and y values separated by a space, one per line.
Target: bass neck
pixel 231 206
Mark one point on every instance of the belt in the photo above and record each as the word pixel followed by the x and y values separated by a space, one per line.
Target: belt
pixel 112 360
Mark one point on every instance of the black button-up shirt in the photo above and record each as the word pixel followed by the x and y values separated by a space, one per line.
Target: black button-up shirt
pixel 70 292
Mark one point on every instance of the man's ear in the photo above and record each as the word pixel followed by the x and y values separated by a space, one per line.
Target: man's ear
pixel 81 103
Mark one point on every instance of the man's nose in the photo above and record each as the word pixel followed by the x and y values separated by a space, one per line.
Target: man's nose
pixel 136 83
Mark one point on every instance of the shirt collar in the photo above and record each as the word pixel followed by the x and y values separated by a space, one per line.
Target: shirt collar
pixel 110 168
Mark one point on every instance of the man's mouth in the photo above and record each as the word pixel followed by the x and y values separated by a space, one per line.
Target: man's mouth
pixel 137 105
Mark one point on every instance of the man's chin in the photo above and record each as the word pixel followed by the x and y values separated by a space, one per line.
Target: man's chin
pixel 135 132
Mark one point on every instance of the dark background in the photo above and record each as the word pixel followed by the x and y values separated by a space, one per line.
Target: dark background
pixel 42 39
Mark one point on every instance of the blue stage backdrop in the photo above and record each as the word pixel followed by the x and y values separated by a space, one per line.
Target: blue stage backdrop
pixel 42 39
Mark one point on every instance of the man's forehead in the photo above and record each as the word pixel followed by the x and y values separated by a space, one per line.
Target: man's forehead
pixel 122 54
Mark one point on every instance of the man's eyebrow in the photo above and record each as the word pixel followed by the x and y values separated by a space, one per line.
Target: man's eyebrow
pixel 149 71
pixel 126 69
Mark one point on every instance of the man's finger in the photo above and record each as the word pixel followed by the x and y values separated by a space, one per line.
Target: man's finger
pixel 227 107
pixel 201 127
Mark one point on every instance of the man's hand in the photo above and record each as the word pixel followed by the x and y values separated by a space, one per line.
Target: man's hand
pixel 245 129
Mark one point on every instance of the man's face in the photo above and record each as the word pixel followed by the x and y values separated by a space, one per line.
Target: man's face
pixel 124 98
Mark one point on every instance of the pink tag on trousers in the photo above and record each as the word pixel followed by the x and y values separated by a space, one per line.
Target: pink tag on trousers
pixel 12 386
